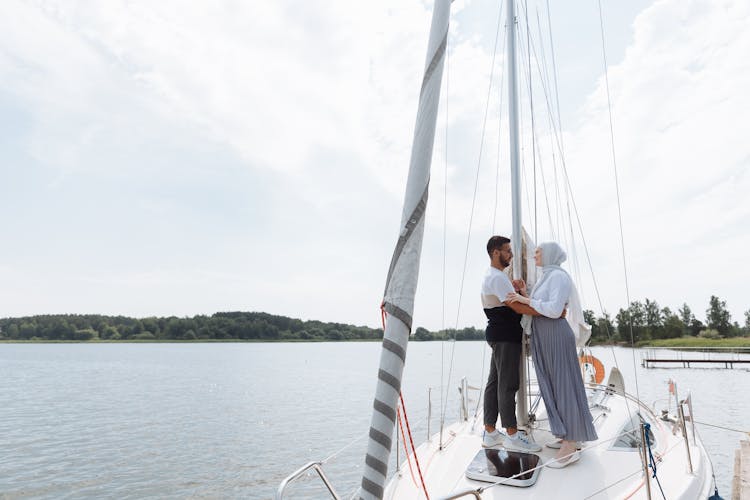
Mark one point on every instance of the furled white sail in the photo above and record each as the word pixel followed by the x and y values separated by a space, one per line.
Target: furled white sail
pixel 401 283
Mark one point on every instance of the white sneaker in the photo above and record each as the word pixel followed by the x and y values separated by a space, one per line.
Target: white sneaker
pixel 520 442
pixel 494 438
pixel 557 444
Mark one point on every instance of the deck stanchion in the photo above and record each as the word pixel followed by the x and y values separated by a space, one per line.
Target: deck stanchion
pixel 429 410
pixel 681 413
pixel 644 456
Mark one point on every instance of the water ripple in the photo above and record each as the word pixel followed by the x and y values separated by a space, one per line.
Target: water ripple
pixel 231 420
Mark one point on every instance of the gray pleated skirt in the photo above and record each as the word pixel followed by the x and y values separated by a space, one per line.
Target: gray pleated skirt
pixel 553 350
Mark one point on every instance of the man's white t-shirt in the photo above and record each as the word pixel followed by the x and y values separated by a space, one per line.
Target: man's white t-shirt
pixel 503 323
pixel 495 287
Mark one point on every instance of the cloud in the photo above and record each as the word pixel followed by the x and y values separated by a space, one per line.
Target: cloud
pixel 678 106
pixel 228 155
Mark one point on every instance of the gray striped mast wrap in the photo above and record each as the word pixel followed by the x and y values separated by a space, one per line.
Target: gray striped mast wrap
pixel 403 273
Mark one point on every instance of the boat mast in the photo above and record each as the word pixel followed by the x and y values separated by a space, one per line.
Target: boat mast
pixel 515 181
pixel 401 283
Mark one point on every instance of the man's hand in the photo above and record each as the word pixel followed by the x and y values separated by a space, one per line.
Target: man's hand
pixel 564 313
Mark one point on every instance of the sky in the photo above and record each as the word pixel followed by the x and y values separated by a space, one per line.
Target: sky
pixel 172 158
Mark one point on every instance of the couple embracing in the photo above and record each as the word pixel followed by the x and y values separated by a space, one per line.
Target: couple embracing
pixel 553 352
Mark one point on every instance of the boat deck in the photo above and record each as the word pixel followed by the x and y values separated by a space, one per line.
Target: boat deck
pixel 608 468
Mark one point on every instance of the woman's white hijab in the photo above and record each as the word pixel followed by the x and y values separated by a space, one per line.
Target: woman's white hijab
pixel 552 257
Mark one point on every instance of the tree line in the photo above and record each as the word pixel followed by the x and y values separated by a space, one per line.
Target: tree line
pixel 219 326
pixel 647 319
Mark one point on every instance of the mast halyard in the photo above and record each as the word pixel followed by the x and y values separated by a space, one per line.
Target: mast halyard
pixel 403 273
pixel 515 180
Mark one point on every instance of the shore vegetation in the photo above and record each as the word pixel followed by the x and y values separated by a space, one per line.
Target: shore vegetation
pixel 645 323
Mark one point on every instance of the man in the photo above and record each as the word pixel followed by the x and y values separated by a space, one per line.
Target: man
pixel 503 334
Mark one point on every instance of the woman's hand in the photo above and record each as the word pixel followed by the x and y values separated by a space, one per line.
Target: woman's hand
pixel 516 297
pixel 520 286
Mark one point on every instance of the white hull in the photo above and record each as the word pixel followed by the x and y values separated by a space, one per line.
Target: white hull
pixel 604 471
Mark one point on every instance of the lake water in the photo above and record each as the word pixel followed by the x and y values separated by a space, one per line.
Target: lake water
pixel 231 420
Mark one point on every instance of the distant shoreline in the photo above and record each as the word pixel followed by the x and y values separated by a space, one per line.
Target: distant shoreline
pixel 254 326
pixel 183 341
pixel 667 343
pixel 697 342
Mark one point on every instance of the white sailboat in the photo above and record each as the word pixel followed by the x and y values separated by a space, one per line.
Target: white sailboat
pixel 639 453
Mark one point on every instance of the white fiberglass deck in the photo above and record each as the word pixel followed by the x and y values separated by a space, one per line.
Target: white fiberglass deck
pixel 608 468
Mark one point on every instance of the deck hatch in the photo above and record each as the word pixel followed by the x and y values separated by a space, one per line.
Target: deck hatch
pixel 491 465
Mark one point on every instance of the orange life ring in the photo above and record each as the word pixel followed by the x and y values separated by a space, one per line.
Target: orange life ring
pixel 597 365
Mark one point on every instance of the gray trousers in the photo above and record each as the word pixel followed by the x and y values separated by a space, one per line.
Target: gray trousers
pixel 502 384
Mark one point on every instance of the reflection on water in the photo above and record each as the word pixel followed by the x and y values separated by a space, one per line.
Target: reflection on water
pixel 231 420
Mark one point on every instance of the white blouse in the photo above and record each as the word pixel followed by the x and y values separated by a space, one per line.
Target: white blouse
pixel 550 298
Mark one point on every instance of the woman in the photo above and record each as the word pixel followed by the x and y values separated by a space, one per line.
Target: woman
pixel 553 350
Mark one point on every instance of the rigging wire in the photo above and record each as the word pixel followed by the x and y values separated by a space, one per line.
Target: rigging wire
pixel 534 149
pixel 574 252
pixel 499 125
pixel 617 189
pixel 628 476
pixel 497 187
pixel 445 224
pixel 497 184
pixel 531 50
pixel 569 220
pixel 531 106
pixel 557 135
pixel 544 77
pixel 341 450
pixel 471 219
pixel 554 68
pixel 559 139
pixel 710 461
pixel 723 428
pixel 531 201
pixel 527 357
pixel 534 153
pixel 571 199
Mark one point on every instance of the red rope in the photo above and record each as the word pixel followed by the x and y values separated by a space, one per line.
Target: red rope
pixel 383 315
pixel 406 450
pixel 416 459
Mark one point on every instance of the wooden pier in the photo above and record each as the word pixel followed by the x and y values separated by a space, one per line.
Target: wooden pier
pixel 727 363
pixel 689 357
pixel 741 483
